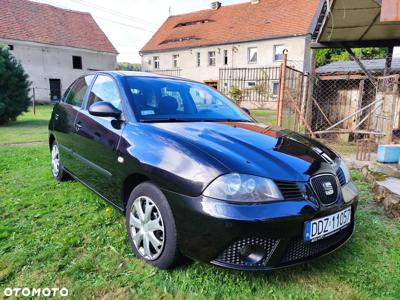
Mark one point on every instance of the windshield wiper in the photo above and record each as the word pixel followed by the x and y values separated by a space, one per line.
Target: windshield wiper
pixel 230 120
pixel 165 120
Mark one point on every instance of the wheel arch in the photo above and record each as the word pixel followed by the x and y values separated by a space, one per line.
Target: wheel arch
pixel 130 182
pixel 51 140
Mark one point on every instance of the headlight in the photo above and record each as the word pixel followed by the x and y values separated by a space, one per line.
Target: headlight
pixel 243 188
pixel 345 170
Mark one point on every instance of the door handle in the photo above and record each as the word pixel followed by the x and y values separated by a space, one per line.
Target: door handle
pixel 78 126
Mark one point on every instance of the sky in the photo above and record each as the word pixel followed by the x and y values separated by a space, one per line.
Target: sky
pixel 129 24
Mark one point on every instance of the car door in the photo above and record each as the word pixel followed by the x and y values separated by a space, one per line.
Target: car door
pixel 64 116
pixel 97 139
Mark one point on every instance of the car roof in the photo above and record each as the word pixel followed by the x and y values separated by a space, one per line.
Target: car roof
pixel 139 74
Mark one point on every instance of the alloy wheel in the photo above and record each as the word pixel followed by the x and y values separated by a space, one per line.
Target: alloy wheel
pixel 147 228
pixel 55 160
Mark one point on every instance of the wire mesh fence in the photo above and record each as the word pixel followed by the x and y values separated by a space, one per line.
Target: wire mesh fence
pixel 342 102
pixel 291 112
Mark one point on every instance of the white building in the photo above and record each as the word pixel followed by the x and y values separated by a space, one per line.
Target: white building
pixel 54 45
pixel 254 34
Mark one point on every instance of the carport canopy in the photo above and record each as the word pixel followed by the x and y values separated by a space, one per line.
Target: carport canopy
pixel 357 24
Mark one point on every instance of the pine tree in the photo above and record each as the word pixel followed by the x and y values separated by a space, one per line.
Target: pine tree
pixel 14 87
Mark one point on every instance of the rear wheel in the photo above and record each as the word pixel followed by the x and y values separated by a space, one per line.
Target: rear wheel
pixel 57 169
pixel 151 227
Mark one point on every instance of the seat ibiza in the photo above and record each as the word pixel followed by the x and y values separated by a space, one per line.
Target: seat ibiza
pixel 196 176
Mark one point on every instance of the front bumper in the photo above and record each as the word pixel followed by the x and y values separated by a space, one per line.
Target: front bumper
pixel 215 231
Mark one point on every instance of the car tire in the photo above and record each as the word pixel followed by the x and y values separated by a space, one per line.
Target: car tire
pixel 151 227
pixel 57 169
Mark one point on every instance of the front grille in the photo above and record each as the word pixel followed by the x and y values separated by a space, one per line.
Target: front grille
pixel 326 188
pixel 341 177
pixel 290 190
pixel 232 255
pixel 297 249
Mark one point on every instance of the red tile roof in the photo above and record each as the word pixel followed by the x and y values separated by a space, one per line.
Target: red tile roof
pixel 235 23
pixel 42 23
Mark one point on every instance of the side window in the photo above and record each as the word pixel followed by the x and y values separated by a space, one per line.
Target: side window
pixel 77 91
pixel 104 89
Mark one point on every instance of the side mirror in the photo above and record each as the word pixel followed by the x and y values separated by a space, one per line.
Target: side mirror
pixel 104 109
pixel 246 110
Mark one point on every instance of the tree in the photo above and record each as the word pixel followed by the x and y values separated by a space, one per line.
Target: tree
pixel 325 56
pixel 125 66
pixel 14 87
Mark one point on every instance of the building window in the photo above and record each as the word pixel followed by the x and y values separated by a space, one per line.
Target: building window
pixel 156 62
pixel 275 88
pixel 198 59
pixel 251 84
pixel 225 57
pixel 77 62
pixel 278 52
pixel 252 55
pixel 175 60
pixel 11 47
pixel 211 58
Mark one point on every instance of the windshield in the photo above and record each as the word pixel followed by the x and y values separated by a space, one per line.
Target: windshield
pixel 163 100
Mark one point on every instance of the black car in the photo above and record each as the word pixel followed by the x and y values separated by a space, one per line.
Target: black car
pixel 198 177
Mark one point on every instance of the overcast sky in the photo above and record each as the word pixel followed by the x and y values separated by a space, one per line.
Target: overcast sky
pixel 129 24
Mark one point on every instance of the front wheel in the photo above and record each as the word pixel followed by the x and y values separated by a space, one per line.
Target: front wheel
pixel 151 227
pixel 57 169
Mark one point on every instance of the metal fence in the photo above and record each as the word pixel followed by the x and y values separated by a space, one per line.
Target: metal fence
pixel 258 87
pixel 169 72
pixel 342 103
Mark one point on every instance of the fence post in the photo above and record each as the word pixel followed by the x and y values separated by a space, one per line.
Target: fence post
pixel 282 82
pixel 34 101
pixel 310 88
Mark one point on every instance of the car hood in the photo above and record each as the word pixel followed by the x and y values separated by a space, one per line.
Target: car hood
pixel 256 149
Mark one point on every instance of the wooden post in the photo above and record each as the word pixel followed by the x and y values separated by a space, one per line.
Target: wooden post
pixel 310 91
pixel 282 83
pixel 388 62
pixel 390 11
pixel 34 101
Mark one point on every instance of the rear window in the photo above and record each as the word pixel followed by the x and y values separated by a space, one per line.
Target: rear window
pixel 77 91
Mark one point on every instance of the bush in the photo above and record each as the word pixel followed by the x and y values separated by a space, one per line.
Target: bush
pixel 236 94
pixel 14 87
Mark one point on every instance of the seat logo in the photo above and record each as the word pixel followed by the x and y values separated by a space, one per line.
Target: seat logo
pixel 328 188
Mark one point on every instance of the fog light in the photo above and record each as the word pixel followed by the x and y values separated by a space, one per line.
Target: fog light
pixel 252 254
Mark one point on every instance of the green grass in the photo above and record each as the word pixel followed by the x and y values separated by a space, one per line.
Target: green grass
pixel 28 127
pixel 62 235
pixel 265 116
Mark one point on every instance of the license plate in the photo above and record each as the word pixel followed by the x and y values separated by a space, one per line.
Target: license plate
pixel 320 228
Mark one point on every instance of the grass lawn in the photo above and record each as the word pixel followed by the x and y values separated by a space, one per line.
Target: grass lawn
pixel 62 235
pixel 264 116
pixel 28 127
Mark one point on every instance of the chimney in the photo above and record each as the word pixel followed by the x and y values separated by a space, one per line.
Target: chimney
pixel 255 1
pixel 215 5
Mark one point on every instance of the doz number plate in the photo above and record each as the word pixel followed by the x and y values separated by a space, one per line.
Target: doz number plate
pixel 320 228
